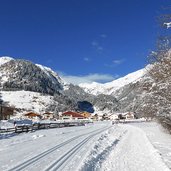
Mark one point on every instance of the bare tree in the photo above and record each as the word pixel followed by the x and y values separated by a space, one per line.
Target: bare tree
pixel 160 73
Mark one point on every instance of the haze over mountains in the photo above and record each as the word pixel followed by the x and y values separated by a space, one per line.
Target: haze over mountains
pixel 24 85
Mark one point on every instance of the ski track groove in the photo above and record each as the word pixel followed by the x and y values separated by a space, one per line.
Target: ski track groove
pixel 63 159
pixel 37 158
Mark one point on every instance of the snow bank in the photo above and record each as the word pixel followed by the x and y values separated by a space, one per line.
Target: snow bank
pixel 4 124
pixel 102 148
pixel 160 139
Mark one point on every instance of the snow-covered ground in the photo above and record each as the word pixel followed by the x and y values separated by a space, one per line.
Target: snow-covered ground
pixel 160 139
pixel 98 146
pixel 27 100
pixel 4 124
pixel 134 152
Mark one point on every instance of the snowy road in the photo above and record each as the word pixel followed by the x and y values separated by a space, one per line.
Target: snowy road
pixel 99 146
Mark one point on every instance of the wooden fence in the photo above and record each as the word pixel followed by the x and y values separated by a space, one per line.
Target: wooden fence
pixel 38 126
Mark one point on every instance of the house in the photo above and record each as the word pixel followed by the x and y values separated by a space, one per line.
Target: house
pixel 47 115
pixel 105 116
pixel 32 115
pixel 86 115
pixel 96 117
pixel 129 115
pixel 6 112
pixel 69 115
pixel 113 117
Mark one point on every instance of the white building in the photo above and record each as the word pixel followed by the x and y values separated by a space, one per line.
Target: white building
pixel 113 116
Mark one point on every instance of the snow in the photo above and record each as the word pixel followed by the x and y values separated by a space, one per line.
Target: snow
pixel 24 149
pixel 160 139
pixel 100 112
pixel 111 87
pixel 38 136
pixel 93 88
pixel 27 100
pixel 168 25
pixel 4 124
pixel 99 146
pixel 5 59
pixel 134 152
pixel 51 74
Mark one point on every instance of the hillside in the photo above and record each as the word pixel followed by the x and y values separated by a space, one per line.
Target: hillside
pixel 24 75
pixel 28 86
pixel 32 87
pixel 111 87
pixel 129 91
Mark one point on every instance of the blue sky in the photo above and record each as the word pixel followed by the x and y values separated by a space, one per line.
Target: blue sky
pixel 83 40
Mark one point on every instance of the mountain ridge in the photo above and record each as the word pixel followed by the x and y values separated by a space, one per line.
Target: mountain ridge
pixel 36 82
pixel 111 87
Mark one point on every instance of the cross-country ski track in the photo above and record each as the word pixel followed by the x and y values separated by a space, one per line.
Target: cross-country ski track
pixel 99 146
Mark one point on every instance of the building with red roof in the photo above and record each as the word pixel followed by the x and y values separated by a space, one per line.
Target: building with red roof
pixel 71 116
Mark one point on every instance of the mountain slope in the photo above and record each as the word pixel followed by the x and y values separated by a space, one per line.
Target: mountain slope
pixel 25 101
pixel 130 92
pixel 111 87
pixel 24 75
pixel 5 59
pixel 28 86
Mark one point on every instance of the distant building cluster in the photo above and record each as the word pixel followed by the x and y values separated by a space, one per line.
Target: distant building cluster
pixel 8 112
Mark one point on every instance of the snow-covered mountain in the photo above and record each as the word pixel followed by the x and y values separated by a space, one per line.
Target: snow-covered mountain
pixel 111 87
pixel 5 59
pixel 53 75
pixel 28 86
pixel 19 74
pixel 130 92
pixel 33 87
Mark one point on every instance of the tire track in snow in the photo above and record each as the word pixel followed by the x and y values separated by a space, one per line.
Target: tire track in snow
pixel 60 163
pixel 38 157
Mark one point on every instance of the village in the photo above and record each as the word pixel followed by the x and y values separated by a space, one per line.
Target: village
pixel 74 134
pixel 49 119
pixel 7 113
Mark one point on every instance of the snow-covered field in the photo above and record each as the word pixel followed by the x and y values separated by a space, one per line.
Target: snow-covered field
pixel 99 146
pixel 30 101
